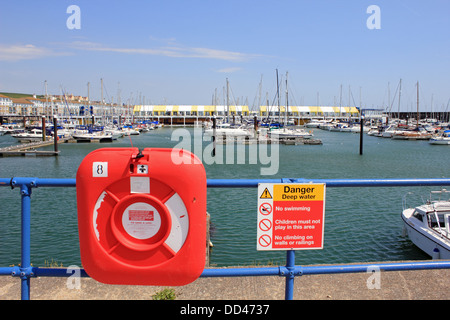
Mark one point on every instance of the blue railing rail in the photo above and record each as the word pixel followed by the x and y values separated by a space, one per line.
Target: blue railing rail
pixel 26 271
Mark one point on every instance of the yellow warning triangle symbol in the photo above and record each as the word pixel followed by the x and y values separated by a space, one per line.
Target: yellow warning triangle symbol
pixel 266 194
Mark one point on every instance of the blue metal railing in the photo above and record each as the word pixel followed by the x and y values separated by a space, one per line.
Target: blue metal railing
pixel 289 271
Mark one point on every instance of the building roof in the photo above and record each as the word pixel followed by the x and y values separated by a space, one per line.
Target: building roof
pixel 22 100
pixel 3 96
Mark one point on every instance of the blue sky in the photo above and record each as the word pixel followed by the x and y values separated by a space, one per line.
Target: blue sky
pixel 182 52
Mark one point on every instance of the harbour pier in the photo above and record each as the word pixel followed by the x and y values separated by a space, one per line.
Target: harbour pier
pixel 29 149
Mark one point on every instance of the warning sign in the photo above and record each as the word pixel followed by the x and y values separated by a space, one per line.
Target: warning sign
pixel 293 219
pixel 266 194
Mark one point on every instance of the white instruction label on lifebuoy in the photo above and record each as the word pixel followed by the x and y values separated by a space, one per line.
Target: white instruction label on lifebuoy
pixel 141 220
pixel 139 185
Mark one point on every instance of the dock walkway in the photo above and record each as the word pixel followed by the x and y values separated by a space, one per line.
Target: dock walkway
pixel 27 149
pixel 393 285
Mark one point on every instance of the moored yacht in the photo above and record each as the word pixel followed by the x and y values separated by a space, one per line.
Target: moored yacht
pixel 443 138
pixel 428 226
pixel 29 136
pixel 418 133
pixel 290 133
pixel 225 129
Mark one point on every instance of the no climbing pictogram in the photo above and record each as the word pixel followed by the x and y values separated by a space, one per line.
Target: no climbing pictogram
pixel 265 240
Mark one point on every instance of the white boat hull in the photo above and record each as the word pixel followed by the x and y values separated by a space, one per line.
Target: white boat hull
pixel 93 137
pixel 229 132
pixel 313 124
pixel 288 133
pixel 411 137
pixel 428 241
pixel 28 138
pixel 440 141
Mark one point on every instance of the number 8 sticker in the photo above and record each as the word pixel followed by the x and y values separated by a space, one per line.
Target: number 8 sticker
pixel 99 169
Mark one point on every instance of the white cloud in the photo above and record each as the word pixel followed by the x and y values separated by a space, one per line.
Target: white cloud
pixel 24 52
pixel 174 51
pixel 229 70
pixel 28 51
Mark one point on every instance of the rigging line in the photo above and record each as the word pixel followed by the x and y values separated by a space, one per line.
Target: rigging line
pixel 391 103
pixel 257 95
pixel 65 101
pixel 353 98
pixel 291 91
pixel 106 91
pixel 231 91
pixel 131 142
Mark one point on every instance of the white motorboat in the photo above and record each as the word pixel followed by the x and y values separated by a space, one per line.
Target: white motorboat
pixel 10 128
pixel 443 138
pixel 225 129
pixel 418 133
pixel 338 127
pixel 30 136
pixel 326 125
pixel 428 226
pixel 390 131
pixel 100 136
pixel 349 128
pixel 290 133
pixel 357 129
pixel 314 123
pixel 114 131
pixel 115 134
pixel 374 131
pixel 130 131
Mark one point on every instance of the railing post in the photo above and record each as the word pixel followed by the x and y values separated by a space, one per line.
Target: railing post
pixel 290 266
pixel 25 265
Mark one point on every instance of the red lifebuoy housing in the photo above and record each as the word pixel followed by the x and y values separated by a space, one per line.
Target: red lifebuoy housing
pixel 142 216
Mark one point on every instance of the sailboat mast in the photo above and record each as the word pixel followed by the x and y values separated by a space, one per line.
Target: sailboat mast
pixel 103 107
pixel 287 103
pixel 228 114
pixel 46 100
pixel 340 101
pixel 399 95
pixel 278 97
pixel 418 116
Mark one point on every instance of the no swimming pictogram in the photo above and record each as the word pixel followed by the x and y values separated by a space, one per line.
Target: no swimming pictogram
pixel 265 208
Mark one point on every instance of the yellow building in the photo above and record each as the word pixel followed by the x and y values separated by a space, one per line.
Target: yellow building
pixel 189 110
pixel 309 111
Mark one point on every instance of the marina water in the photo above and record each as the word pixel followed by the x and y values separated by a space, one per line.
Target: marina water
pixel 361 224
